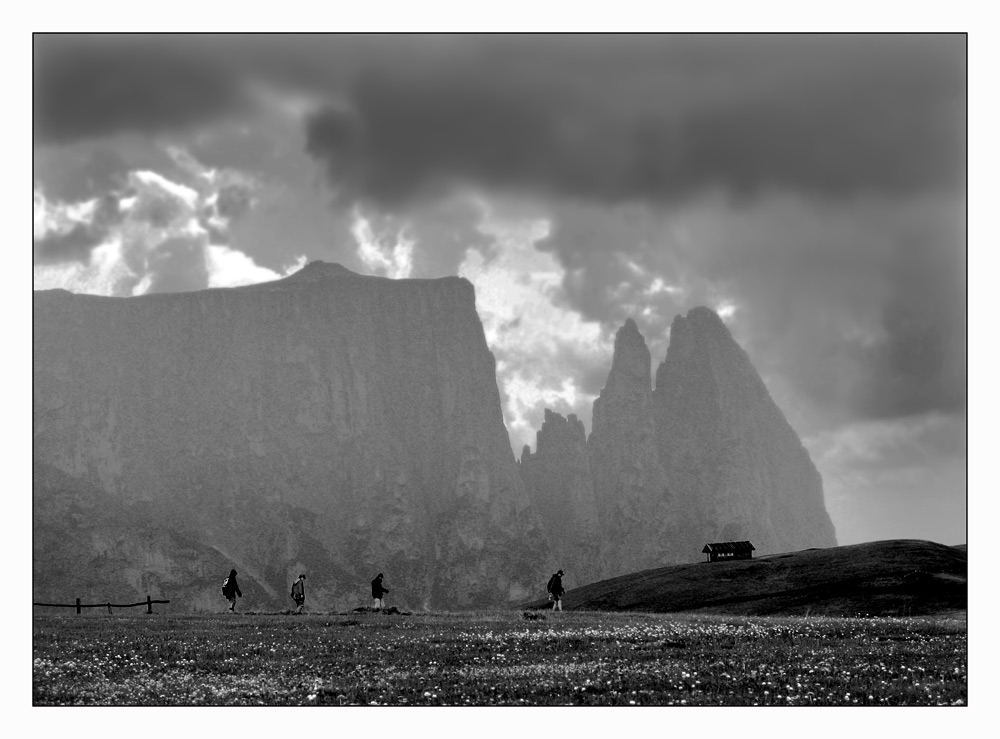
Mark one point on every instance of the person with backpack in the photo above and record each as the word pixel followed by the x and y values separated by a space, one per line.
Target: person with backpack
pixel 230 589
pixel 299 593
pixel 378 591
pixel 556 590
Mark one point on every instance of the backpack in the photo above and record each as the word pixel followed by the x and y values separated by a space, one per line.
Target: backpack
pixel 225 586
pixel 548 588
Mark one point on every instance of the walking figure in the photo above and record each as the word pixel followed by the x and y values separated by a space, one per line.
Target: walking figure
pixel 556 590
pixel 299 593
pixel 378 591
pixel 230 589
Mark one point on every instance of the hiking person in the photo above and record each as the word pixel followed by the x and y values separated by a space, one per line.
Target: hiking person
pixel 378 591
pixel 299 593
pixel 556 590
pixel 230 589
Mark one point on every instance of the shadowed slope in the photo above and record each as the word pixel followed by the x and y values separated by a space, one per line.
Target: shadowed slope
pixel 883 578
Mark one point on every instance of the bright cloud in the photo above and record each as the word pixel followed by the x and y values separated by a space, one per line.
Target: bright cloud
pixel 726 309
pixel 537 341
pixel 658 286
pixel 51 217
pixel 157 216
pixel 159 182
pixel 231 268
pixel 388 254
pixel 42 221
pixel 104 274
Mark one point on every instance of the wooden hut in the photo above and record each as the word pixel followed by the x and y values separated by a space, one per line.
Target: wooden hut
pixel 726 550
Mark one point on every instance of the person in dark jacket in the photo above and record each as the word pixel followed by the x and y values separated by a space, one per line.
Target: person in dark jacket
pixel 378 591
pixel 230 589
pixel 299 593
pixel 556 590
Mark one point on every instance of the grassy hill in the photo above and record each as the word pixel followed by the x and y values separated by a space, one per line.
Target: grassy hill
pixel 883 578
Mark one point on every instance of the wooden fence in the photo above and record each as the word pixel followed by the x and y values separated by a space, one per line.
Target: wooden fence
pixel 148 603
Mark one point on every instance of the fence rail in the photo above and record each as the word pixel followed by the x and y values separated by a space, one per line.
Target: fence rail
pixel 148 603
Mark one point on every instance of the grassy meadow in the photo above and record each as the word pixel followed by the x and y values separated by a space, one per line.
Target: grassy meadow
pixel 497 659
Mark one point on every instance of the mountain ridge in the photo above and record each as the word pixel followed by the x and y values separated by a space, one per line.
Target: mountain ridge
pixel 337 423
pixel 703 455
pixel 296 426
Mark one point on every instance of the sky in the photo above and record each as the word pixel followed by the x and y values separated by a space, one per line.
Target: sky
pixel 811 189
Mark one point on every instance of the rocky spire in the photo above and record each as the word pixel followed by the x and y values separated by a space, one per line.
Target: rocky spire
pixel 627 391
pixel 629 480
pixel 558 479
pixel 737 469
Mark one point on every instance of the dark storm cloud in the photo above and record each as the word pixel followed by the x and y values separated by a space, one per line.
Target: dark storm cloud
pixel 914 359
pixel 78 176
pixel 613 120
pixel 921 363
pixel 90 86
pixel 859 307
pixel 655 119
pixel 601 118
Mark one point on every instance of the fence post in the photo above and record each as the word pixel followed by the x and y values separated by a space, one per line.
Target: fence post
pixel 109 608
pixel 149 604
pixel 78 605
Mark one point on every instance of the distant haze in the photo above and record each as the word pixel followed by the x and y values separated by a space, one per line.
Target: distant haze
pixel 810 189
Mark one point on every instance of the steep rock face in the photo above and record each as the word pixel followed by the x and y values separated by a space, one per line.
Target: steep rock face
pixel 328 423
pixel 706 456
pixel 87 545
pixel 558 479
pixel 629 480
pixel 737 469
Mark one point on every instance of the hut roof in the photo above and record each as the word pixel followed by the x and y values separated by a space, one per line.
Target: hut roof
pixel 728 546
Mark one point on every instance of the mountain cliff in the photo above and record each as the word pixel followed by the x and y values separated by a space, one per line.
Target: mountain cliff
pixel 629 480
pixel 328 423
pixel 705 456
pixel 559 475
pixel 343 425
pixel 737 468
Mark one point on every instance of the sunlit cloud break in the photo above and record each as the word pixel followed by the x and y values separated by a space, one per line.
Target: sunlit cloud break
pixel 156 217
pixel 228 267
pixel 534 338
pixel 390 255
